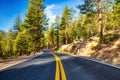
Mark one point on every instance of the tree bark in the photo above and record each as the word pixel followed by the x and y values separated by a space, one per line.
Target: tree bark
pixel 0 51
pixel 100 21
pixel 66 35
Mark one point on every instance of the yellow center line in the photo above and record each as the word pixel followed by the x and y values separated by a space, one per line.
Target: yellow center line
pixel 57 77
pixel 59 68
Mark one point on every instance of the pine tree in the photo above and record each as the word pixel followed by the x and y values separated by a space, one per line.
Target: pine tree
pixel 57 25
pixel 86 7
pixel 35 21
pixel 66 18
pixel 87 18
pixel 17 24
pixel 116 14
pixel 2 35
pixel 7 44
pixel 10 42
pixel 99 3
pixel 21 42
pixel 50 38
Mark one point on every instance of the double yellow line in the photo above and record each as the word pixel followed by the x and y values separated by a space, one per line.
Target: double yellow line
pixel 60 73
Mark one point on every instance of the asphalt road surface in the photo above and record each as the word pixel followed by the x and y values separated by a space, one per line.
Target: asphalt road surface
pixel 55 66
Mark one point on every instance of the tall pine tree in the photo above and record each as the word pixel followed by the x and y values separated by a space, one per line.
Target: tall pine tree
pixel 17 24
pixel 57 25
pixel 66 18
pixel 35 21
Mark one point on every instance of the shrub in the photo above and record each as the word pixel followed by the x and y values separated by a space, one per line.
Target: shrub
pixel 59 50
pixel 110 37
pixel 73 48
pixel 92 47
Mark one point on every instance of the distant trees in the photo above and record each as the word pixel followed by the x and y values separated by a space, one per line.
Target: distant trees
pixel 52 34
pixel 9 42
pixel 93 10
pixel 17 24
pixel 87 22
pixel 116 14
pixel 2 33
pixel 106 13
pixel 6 43
pixel 95 18
pixel 50 37
pixel 57 26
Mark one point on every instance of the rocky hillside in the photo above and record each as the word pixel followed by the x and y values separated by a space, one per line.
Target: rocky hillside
pixel 109 51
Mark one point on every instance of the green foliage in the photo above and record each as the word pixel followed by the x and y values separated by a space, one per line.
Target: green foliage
pixel 32 35
pixel 59 50
pixel 20 43
pixel 73 48
pixel 87 7
pixel 116 15
pixel 23 43
pixel 65 27
pixel 26 37
pixel 50 38
pixel 6 44
pixel 86 25
pixel 110 37
pixel 35 21
pixel 56 30
pixel 17 24
pixel 92 47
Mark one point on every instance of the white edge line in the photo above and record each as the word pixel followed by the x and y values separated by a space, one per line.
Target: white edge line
pixel 104 63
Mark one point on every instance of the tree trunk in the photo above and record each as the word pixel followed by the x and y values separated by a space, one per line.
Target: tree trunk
pixel 105 25
pixel 73 34
pixel 66 35
pixel 38 45
pixel 57 38
pixel 0 51
pixel 37 40
pixel 100 21
pixel 20 51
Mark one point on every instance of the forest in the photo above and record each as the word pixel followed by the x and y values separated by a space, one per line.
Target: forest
pixel 95 18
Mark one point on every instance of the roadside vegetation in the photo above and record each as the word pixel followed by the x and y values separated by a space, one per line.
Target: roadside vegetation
pixel 97 20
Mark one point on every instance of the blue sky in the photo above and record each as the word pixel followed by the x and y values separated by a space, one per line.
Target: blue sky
pixel 9 9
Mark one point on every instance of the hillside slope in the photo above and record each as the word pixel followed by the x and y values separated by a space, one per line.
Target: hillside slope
pixel 110 51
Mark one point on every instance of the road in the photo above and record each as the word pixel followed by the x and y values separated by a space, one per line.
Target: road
pixel 55 66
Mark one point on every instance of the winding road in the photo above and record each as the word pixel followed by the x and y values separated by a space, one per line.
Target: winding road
pixel 56 66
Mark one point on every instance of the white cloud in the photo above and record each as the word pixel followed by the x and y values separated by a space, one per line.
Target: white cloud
pixel 49 13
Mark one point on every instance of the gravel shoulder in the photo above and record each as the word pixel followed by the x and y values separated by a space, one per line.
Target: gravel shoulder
pixel 4 63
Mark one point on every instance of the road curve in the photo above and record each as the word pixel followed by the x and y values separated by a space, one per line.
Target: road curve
pixel 50 64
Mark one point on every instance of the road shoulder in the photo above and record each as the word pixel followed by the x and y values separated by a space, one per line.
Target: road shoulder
pixel 11 62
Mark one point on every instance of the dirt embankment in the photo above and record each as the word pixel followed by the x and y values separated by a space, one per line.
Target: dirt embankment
pixel 109 52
